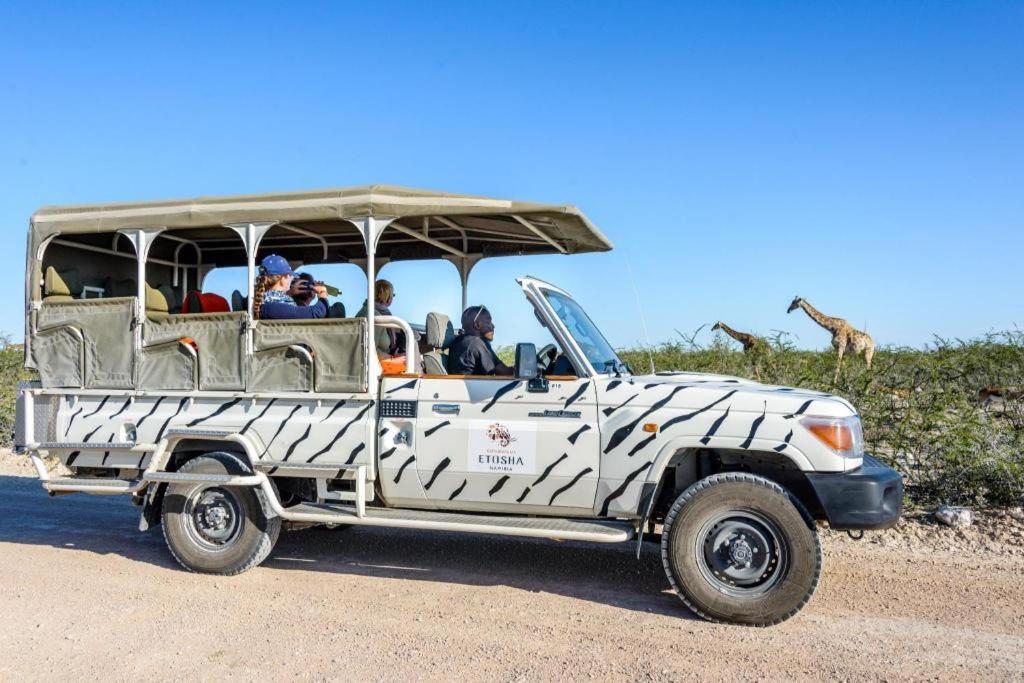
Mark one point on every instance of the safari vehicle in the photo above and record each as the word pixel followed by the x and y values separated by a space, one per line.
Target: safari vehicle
pixel 223 428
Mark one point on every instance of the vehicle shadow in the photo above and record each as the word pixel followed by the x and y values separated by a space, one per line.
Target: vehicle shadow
pixel 606 574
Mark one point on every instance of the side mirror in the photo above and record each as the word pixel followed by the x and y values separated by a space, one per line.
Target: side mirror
pixel 526 361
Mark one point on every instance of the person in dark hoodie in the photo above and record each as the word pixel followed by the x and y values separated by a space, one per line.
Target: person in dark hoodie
pixel 471 352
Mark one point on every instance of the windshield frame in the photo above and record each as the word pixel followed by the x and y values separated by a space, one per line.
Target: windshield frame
pixel 537 292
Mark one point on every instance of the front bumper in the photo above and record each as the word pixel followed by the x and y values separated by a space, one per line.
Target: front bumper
pixel 869 497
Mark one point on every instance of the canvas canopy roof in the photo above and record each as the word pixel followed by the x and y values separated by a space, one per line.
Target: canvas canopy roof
pixel 313 224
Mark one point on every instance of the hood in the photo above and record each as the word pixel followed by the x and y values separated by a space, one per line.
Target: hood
pixel 749 395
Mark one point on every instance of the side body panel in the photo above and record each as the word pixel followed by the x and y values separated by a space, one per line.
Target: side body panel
pixel 488 444
pixel 285 430
pixel 689 411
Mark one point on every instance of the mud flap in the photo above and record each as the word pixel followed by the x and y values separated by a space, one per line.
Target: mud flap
pixel 151 505
pixel 647 498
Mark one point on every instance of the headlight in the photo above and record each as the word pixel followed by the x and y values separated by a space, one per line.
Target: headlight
pixel 842 434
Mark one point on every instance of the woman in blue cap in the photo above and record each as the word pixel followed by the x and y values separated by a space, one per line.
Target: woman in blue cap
pixel 271 301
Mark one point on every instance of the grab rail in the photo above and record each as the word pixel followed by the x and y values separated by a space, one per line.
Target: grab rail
pixel 410 339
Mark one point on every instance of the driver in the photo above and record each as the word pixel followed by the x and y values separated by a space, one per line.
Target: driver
pixel 471 352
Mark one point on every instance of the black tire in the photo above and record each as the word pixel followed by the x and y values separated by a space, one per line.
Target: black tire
pixel 739 548
pixel 214 529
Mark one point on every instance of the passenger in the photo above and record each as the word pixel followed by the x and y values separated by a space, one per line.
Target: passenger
pixel 303 292
pixel 471 352
pixel 386 338
pixel 271 300
pixel 301 289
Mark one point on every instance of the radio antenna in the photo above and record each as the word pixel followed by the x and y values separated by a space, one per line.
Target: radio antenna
pixel 640 309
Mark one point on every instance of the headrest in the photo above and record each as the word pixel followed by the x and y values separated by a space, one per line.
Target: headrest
pixel 170 296
pixel 238 301
pixel 156 302
pixel 440 333
pixel 124 287
pixel 53 283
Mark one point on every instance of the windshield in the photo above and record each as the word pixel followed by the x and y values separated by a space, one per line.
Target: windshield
pixel 595 347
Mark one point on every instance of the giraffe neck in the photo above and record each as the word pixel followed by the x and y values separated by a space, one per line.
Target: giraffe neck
pixel 817 316
pixel 738 336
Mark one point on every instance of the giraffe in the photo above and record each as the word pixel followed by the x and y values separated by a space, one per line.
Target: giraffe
pixel 843 334
pixel 749 341
pixel 751 344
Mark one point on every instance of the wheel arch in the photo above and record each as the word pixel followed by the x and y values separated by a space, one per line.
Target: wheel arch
pixel 683 461
pixel 674 449
pixel 184 448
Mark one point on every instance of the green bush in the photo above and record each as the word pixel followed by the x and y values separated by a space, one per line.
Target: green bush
pixel 11 370
pixel 927 412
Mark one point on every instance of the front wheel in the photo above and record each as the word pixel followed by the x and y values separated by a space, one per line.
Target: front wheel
pixel 217 529
pixel 739 548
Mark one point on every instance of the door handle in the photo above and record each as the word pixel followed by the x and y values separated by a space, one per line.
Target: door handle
pixel 446 408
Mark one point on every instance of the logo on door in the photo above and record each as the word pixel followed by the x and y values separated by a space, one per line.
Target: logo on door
pixel 508 447
pixel 500 434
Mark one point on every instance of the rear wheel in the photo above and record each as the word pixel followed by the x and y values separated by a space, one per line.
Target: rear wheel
pixel 217 529
pixel 739 548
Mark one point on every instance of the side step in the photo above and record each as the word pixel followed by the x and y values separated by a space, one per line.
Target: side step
pixel 109 487
pixel 598 531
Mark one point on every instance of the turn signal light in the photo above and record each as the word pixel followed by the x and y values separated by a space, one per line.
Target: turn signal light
pixel 842 434
pixel 651 427
pixel 837 437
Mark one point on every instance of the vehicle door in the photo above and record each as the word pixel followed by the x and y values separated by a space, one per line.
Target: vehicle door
pixel 501 444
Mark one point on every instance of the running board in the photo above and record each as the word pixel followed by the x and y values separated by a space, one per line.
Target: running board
pixel 111 487
pixel 103 487
pixel 598 531
pixel 197 478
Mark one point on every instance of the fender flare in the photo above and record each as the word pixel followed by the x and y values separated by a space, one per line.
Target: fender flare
pixel 153 497
pixel 671 447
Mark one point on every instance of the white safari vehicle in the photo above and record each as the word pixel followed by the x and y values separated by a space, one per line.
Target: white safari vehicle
pixel 222 427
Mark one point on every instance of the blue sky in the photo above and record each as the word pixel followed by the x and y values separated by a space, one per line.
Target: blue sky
pixel 866 156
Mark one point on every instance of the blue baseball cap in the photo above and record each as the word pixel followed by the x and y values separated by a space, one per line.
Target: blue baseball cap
pixel 275 265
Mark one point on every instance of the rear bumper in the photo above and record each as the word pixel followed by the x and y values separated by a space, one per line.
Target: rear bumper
pixel 869 497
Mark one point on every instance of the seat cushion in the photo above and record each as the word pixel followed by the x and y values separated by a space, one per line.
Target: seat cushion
pixel 440 332
pixel 435 363
pixel 156 302
pixel 173 305
pixel 54 284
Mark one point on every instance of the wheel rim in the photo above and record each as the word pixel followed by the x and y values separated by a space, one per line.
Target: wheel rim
pixel 213 518
pixel 741 553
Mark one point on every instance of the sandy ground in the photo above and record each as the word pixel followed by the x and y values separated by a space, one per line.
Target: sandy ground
pixel 85 595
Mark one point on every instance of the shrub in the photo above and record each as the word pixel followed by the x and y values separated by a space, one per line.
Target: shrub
pixel 931 412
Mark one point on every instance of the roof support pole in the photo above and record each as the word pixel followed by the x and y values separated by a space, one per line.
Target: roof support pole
pixel 535 230
pixel 251 234
pixel 464 266
pixel 141 239
pixel 371 228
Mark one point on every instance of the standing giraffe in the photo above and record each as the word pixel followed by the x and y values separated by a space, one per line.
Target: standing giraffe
pixel 843 334
pixel 748 340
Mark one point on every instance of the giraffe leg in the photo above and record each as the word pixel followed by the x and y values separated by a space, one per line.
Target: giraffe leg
pixel 869 353
pixel 840 350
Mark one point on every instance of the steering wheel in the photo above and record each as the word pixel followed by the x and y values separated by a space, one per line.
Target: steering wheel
pixel 545 357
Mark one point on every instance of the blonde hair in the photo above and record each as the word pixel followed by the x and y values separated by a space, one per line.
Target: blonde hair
pixel 383 290
pixel 263 283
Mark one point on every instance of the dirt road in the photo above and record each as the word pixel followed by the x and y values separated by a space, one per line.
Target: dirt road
pixel 84 595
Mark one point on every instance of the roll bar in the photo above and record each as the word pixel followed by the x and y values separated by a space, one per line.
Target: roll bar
pixel 411 351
